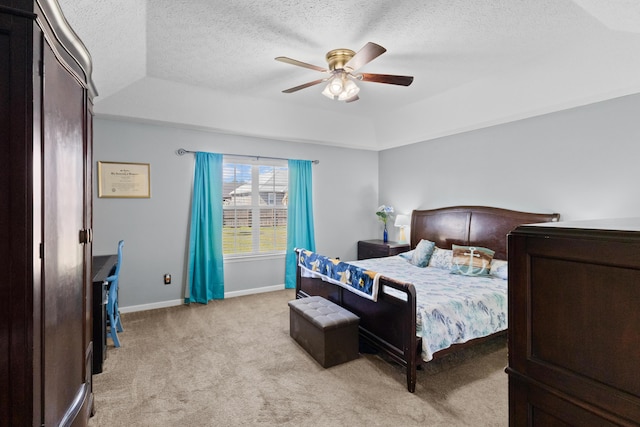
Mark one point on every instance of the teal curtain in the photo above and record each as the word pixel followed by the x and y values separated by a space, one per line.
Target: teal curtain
pixel 300 233
pixel 206 274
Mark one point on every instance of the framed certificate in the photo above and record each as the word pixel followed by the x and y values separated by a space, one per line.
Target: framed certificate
pixel 126 180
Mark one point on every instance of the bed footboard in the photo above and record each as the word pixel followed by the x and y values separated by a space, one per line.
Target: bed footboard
pixel 388 325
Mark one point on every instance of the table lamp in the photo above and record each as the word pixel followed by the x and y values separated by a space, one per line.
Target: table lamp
pixel 402 221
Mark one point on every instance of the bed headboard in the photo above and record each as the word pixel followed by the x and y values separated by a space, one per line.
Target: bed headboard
pixel 471 225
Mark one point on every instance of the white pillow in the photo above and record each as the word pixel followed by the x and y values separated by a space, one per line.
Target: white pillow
pixel 499 268
pixel 441 258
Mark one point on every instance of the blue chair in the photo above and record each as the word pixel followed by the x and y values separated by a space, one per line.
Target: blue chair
pixel 113 313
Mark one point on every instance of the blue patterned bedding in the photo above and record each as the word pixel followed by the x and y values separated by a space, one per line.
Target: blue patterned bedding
pixel 450 308
pixel 361 281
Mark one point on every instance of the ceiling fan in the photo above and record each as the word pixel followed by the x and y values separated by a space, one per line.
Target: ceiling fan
pixel 343 64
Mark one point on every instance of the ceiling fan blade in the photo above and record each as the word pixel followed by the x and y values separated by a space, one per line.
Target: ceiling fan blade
pixel 353 98
pixel 300 63
pixel 386 78
pixel 304 86
pixel 368 53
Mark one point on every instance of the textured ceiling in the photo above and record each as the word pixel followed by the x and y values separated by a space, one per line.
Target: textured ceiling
pixel 475 63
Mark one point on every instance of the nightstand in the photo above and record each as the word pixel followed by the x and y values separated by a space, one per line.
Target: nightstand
pixel 378 248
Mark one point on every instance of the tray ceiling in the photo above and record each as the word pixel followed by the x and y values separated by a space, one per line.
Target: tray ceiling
pixel 210 63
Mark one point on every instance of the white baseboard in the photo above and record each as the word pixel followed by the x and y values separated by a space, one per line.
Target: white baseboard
pixel 176 302
pixel 253 291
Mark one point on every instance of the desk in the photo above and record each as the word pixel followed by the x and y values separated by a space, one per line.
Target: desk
pixel 102 267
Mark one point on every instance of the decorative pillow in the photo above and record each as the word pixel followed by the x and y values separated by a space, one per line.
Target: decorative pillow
pixel 422 253
pixel 499 268
pixel 471 260
pixel 441 258
pixel 407 255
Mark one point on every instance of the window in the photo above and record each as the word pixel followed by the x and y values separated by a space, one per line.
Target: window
pixel 254 203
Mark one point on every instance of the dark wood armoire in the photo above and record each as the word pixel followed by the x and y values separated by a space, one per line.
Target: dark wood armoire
pixel 574 324
pixel 46 97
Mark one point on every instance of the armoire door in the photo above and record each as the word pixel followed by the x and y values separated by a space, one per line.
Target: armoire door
pixel 16 330
pixel 66 383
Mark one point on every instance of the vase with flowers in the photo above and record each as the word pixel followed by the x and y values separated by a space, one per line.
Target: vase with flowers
pixel 384 214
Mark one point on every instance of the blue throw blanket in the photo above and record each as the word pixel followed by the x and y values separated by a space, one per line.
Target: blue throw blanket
pixel 358 280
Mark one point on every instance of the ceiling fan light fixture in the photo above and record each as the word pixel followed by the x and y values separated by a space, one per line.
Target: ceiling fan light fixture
pixel 343 63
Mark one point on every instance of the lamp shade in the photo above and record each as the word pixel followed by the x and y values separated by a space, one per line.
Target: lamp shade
pixel 402 221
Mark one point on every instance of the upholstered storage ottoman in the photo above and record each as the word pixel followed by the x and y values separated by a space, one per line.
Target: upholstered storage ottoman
pixel 328 332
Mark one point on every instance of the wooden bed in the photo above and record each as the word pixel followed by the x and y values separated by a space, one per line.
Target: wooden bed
pixel 389 324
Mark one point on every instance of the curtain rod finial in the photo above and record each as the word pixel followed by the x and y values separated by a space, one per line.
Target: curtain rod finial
pixel 181 151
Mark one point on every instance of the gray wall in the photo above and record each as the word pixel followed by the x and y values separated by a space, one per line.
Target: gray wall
pixel 581 163
pixel 345 187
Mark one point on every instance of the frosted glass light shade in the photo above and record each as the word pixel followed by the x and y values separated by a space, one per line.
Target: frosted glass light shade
pixel 327 93
pixel 350 90
pixel 336 85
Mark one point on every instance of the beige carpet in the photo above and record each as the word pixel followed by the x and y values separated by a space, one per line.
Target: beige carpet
pixel 232 363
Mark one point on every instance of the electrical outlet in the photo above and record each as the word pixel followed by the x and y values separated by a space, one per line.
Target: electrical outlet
pixel 167 279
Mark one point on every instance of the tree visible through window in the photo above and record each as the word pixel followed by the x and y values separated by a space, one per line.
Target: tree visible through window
pixel 254 202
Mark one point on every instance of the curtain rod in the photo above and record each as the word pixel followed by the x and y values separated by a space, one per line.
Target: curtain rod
pixel 182 152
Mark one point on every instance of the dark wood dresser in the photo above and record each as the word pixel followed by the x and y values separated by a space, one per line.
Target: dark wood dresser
pixel 379 249
pixel 574 324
